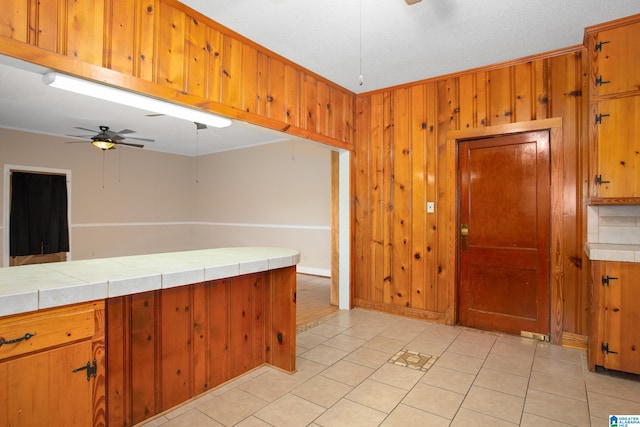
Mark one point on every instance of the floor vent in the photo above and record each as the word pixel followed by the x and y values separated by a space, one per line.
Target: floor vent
pixel 413 360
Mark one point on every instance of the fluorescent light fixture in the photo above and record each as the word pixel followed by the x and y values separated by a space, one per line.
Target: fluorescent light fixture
pixel 120 96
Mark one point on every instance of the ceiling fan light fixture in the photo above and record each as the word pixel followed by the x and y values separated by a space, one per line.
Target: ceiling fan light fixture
pixel 410 2
pixel 103 145
pixel 130 99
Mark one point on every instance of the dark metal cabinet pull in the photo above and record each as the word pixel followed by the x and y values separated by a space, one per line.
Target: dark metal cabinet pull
pixel 26 337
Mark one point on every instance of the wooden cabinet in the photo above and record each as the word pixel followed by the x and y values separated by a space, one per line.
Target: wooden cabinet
pixel 614 116
pixel 52 367
pixel 616 142
pixel 615 316
pixel 615 59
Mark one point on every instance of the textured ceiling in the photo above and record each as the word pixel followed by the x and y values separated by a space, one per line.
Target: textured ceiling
pixel 399 43
pixel 388 41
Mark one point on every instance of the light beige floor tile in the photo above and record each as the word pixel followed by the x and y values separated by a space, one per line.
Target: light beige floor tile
pixel 403 331
pixel 531 420
pixel 510 365
pixel 515 347
pixel 324 354
pixel 153 422
pixel 563 386
pixel 189 419
pixel 502 381
pixel 558 367
pixel 558 408
pixel 226 410
pixel 448 379
pixel 347 373
pixel 441 333
pixel 309 339
pixel 345 342
pixel 467 348
pixel 322 391
pixel 270 386
pixel 376 395
pixel 604 383
pixel 494 403
pixel 290 410
pixel 443 403
pixel 601 406
pixel 306 369
pixel 348 413
pixel 468 418
pixel 327 330
pixel 557 352
pixel 459 362
pixel 397 376
pixel 405 415
pixel 385 344
pixel 368 357
pixel 478 337
pixel 251 421
pixel 425 346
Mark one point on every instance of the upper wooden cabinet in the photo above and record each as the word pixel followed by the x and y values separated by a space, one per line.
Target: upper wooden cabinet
pixel 615 60
pixel 614 125
pixel 615 134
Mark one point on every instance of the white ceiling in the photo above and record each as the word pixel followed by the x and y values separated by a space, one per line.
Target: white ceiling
pixel 388 41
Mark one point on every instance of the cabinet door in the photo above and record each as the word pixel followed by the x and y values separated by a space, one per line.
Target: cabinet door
pixel 616 60
pixel 616 125
pixel 42 390
pixel 622 317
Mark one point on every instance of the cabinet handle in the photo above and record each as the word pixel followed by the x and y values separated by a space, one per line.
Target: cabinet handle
pixel 26 337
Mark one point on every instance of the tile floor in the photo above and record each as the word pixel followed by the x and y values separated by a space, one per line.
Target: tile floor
pixel 344 378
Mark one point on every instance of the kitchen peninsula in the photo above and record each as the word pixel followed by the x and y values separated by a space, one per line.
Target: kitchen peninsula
pixel 116 341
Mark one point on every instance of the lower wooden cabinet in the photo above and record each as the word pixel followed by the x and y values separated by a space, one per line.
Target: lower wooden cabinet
pixel 52 367
pixel 615 316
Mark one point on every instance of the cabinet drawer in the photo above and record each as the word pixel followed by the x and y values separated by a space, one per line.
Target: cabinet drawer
pixel 26 333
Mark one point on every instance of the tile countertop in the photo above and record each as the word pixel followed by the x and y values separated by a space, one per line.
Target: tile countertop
pixel 612 252
pixel 32 287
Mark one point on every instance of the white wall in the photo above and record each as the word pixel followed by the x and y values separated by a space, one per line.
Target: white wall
pixel 147 202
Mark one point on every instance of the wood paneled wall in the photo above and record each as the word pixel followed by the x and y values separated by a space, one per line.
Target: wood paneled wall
pixel 167 346
pixel 164 49
pixel 401 254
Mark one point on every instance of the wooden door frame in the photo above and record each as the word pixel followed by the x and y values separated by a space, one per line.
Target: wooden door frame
pixel 554 126
pixel 8 170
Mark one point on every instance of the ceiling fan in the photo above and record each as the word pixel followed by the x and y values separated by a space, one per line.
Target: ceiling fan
pixel 106 139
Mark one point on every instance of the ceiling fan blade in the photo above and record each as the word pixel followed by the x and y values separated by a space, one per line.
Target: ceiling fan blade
pixel 141 139
pixel 76 142
pixel 80 136
pixel 125 131
pixel 130 145
pixel 88 130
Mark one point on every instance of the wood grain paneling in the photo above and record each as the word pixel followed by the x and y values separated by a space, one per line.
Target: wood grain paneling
pixel 402 161
pixel 185 56
pixel 167 346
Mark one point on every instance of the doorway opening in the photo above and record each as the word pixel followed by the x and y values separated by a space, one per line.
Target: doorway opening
pixel 37 215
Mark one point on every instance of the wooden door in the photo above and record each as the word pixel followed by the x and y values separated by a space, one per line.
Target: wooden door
pixel 621 338
pixel 504 259
pixel 42 389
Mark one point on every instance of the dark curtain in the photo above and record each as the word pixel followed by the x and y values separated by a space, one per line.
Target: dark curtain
pixel 38 218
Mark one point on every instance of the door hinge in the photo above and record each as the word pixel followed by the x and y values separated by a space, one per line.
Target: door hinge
pixel 598 46
pixel 599 180
pixel 599 118
pixel 600 82
pixel 92 369
pixel 605 349
pixel 605 280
